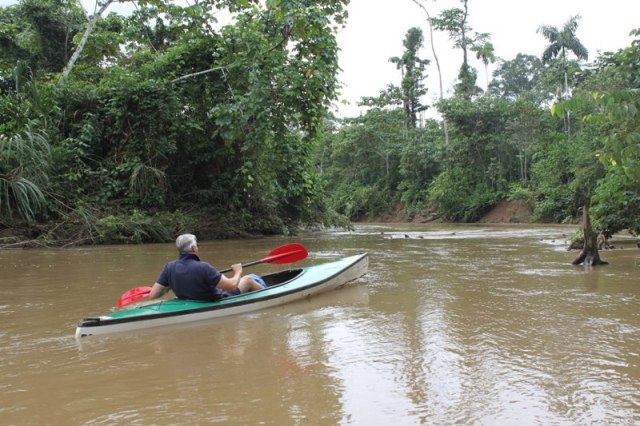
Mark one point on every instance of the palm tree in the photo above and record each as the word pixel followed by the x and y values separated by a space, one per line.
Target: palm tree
pixel 562 42
pixel 24 162
pixel 484 50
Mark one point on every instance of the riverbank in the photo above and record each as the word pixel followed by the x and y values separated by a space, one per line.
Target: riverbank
pixel 515 211
pixel 138 228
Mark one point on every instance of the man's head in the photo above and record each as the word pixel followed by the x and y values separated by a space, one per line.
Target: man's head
pixel 186 243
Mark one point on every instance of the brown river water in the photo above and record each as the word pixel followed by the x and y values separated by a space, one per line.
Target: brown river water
pixel 482 324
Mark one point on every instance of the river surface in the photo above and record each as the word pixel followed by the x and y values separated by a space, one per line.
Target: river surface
pixel 482 324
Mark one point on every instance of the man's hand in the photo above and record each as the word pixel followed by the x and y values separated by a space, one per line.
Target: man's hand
pixel 237 268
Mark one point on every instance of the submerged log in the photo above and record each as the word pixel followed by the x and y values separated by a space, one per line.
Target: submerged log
pixel 589 255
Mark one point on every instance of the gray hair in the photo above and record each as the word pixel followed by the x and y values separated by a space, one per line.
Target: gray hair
pixel 185 242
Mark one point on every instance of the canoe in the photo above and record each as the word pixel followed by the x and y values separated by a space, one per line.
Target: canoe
pixel 282 287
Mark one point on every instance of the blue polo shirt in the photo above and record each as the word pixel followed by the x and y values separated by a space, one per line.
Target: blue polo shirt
pixel 190 278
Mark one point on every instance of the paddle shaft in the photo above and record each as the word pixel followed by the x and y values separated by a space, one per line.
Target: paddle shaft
pixel 244 265
pixel 294 255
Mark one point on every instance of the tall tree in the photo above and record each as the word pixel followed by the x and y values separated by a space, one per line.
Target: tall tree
pixel 517 76
pixel 484 51
pixel 445 125
pixel 562 42
pixel 413 69
pixel 455 22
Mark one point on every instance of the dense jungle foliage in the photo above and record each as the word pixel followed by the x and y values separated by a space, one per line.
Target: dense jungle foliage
pixel 135 128
pixel 557 133
pixel 167 121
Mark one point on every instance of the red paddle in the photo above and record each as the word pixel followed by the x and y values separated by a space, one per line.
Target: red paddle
pixel 132 295
pixel 287 253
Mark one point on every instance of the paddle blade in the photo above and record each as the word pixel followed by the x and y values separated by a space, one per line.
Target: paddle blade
pixel 287 253
pixel 132 295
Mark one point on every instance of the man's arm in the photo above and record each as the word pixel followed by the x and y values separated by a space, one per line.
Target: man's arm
pixel 158 290
pixel 230 284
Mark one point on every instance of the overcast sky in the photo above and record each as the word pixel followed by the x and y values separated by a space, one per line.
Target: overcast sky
pixel 376 29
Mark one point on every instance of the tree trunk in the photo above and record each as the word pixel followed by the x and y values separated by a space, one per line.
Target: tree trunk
pixel 83 41
pixel 589 255
pixel 435 56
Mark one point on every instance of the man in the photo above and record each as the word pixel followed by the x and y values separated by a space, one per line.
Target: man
pixel 192 279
